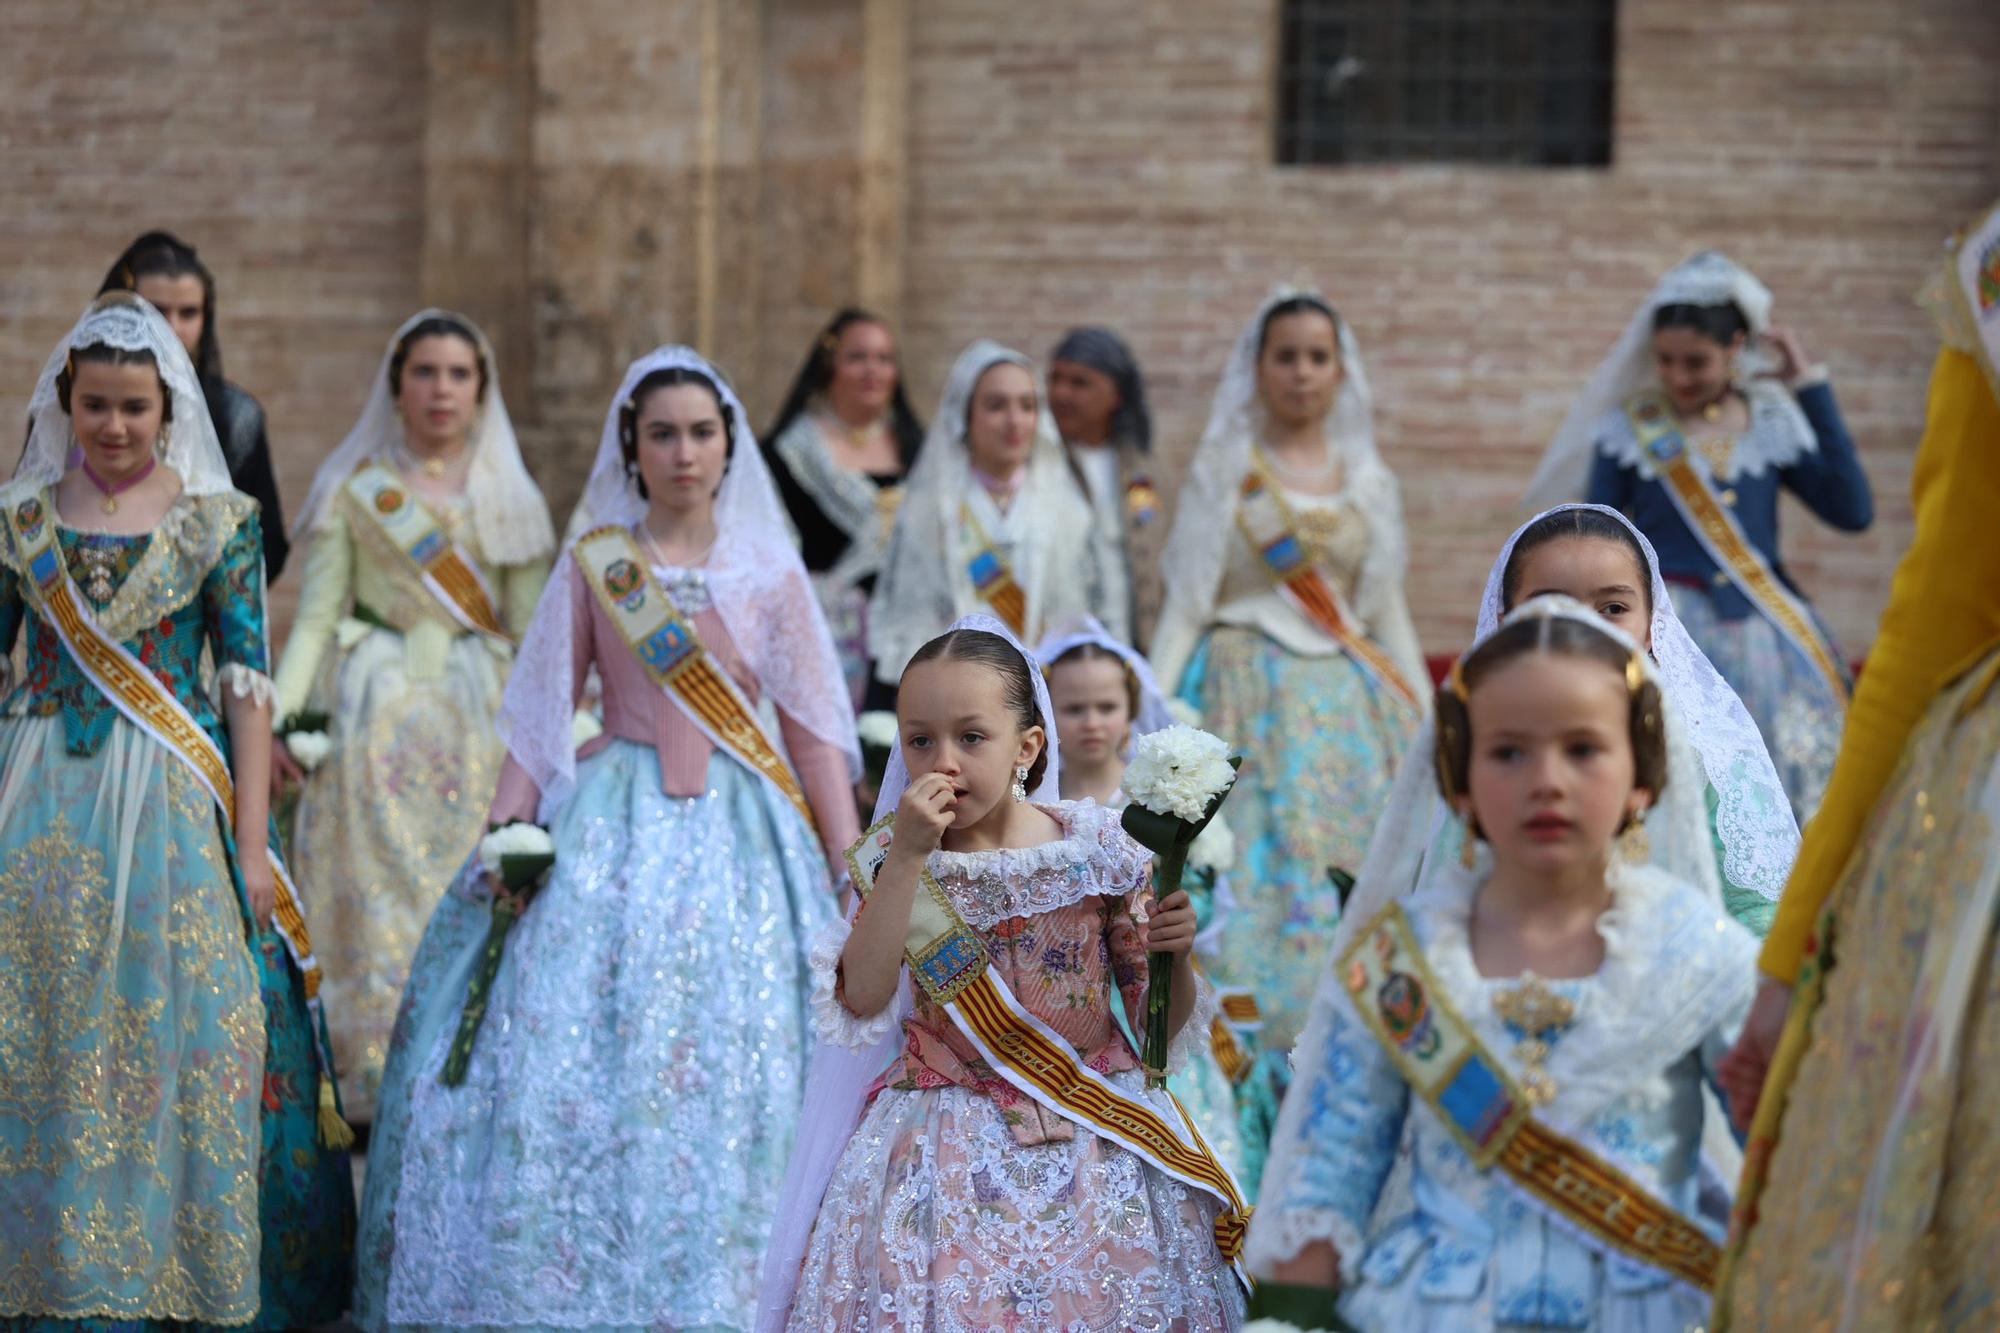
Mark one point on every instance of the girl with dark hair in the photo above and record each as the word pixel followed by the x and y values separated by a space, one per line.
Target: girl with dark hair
pixel 611 1155
pixel 839 450
pixel 429 546
pixel 1546 1012
pixel 1098 399
pixel 1286 626
pixel 938 1178
pixel 167 272
pixel 1700 416
pixel 170 1147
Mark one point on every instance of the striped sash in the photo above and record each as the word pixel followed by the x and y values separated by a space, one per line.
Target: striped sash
pixel 1265 524
pixel 672 654
pixel 948 959
pixel 991 577
pixel 1442 1060
pixel 1714 526
pixel 444 569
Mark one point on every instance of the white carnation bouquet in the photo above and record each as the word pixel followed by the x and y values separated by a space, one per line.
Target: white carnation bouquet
pixel 518 857
pixel 1176 781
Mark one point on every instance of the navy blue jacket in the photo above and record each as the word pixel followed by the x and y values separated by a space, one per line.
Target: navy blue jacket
pixel 1828 479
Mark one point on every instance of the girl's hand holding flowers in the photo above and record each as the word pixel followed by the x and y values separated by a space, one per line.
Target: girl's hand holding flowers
pixel 1170 926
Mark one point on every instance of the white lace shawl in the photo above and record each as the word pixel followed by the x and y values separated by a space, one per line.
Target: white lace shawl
pixel 923 585
pixel 131 324
pixel 848 499
pixel 1204 518
pixel 509 515
pixel 1753 816
pixel 1401 865
pixel 1708 278
pixel 753 576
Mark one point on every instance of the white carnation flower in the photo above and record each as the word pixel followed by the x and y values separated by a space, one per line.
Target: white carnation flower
pixel 1178 771
pixel 517 839
pixel 1183 713
pixel 309 749
pixel 1214 848
pixel 876 728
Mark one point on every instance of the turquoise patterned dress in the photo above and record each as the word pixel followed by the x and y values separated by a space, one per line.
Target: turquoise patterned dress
pixel 156 1119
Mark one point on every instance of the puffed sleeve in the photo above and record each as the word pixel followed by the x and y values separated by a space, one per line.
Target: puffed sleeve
pixel 324 591
pixel 1334 1151
pixel 832 1021
pixel 1944 611
pixel 232 604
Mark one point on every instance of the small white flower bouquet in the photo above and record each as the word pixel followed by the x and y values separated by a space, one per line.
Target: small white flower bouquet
pixel 519 857
pixel 877 732
pixel 1177 780
pixel 306 739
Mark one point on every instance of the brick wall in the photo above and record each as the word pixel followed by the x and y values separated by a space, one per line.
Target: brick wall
pixel 570 174
pixel 283 141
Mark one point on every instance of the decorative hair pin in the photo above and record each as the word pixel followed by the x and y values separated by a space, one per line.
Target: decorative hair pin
pixel 1635 674
pixel 1456 680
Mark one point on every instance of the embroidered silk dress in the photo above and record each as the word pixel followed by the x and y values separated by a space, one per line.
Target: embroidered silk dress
pixel 387 819
pixel 1875 1157
pixel 1462 1248
pixel 158 1083
pixel 615 1152
pixel 1321 739
pixel 960 1204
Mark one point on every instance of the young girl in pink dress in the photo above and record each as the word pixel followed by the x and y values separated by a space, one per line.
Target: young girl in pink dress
pixel 933 1185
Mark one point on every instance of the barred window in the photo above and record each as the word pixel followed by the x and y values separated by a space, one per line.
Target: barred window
pixel 1505 82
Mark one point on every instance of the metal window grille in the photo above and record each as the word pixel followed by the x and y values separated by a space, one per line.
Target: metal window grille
pixel 1505 82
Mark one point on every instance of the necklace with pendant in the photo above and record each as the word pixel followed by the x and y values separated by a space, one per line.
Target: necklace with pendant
pixel 111 490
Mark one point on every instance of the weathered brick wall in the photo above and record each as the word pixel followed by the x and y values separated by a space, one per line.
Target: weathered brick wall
pixel 1112 162
pixel 574 175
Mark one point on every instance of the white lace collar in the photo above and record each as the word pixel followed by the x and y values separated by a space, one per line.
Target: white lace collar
pixel 1777 437
pixel 1094 857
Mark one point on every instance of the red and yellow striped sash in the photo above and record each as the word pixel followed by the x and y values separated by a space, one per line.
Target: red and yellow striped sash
pixel 1262 518
pixel 438 563
pixel 991 577
pixel 672 654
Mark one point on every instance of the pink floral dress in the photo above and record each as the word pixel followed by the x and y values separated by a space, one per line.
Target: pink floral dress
pixel 960 1203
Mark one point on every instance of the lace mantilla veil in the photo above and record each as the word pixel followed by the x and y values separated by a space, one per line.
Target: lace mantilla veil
pixel 1152 715
pixel 838 1079
pixel 753 574
pixel 1198 547
pixel 1403 859
pixel 1708 278
pixel 131 324
pixel 508 512
pixel 920 569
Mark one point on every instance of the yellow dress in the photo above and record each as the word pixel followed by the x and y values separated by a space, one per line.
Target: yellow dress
pixel 389 817
pixel 1868 1199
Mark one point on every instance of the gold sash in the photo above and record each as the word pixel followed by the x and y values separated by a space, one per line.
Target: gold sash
pixel 948 959
pixel 1443 1062
pixel 1261 517
pixel 147 703
pixel 991 578
pixel 445 571
pixel 1715 527
pixel 672 654
pixel 1239 1017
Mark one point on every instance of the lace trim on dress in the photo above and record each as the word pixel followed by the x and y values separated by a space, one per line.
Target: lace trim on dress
pixel 1094 857
pixel 832 1021
pixel 1777 437
pixel 248 683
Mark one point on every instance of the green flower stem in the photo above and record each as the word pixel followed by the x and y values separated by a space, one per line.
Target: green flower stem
pixel 1160 974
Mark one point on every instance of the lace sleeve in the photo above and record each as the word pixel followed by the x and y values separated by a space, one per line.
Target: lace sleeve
pixel 1335 1144
pixel 832 1021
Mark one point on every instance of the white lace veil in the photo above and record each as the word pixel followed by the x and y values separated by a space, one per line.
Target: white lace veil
pixel 838 1079
pixel 1708 278
pixel 1409 852
pixel 1197 549
pixel 130 324
pixel 1153 715
pixel 916 594
pixel 1753 817
pixel 753 574
pixel 508 512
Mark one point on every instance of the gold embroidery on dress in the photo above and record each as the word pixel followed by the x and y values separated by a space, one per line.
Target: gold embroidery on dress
pixel 1540 1015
